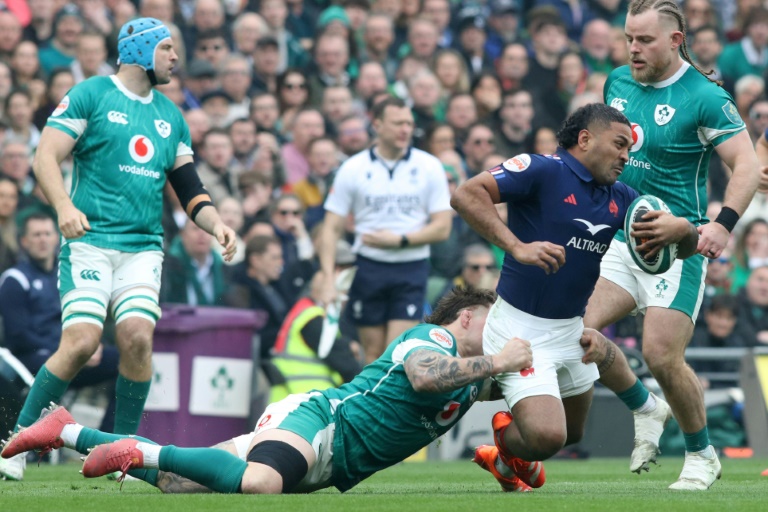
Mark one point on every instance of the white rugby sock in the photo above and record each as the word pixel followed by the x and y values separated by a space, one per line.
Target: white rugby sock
pixel 648 406
pixel 70 433
pixel 151 454
pixel 707 453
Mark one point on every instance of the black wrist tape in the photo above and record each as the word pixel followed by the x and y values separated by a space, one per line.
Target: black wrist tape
pixel 727 218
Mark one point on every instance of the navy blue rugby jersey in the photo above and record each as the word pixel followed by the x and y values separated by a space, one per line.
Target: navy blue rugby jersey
pixel 554 198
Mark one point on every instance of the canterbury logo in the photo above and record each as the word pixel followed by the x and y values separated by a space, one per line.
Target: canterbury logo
pixel 117 117
pixel 593 230
pixel 571 199
pixel 90 275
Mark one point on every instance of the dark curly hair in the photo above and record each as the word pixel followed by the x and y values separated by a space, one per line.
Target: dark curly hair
pixel 585 117
pixel 449 307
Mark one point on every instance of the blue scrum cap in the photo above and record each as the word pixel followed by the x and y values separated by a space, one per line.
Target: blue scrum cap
pixel 138 40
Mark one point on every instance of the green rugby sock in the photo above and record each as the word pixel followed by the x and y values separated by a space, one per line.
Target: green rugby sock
pixel 697 441
pixel 90 437
pixel 634 397
pixel 131 396
pixel 47 388
pixel 216 469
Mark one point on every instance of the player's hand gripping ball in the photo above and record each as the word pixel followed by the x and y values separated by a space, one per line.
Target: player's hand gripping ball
pixel 663 259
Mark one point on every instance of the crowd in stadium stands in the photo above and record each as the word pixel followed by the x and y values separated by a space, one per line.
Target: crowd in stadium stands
pixel 278 93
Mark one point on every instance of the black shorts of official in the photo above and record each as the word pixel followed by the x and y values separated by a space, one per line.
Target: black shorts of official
pixel 388 291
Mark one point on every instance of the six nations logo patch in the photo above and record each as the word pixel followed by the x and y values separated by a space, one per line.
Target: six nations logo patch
pixel 517 163
pixel 441 337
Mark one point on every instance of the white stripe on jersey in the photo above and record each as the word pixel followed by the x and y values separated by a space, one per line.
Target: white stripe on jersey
pixel 76 125
pixel 182 149
pixel 707 135
pixel 398 355
pixel 382 379
pixel 17 275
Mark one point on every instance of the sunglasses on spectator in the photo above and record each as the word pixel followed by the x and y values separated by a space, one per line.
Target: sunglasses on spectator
pixel 289 212
pixel 475 268
pixel 290 86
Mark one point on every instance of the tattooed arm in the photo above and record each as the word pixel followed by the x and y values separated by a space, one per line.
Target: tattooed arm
pixel 171 483
pixel 433 372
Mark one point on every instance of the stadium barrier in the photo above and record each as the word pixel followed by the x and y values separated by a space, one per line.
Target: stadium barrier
pixel 202 375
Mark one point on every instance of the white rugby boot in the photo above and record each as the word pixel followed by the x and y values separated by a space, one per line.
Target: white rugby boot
pixel 13 468
pixel 699 472
pixel 648 429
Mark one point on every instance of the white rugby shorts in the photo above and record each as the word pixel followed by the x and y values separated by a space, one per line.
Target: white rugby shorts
pixel 557 368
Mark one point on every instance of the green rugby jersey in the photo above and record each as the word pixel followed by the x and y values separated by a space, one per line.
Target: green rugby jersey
pixel 125 146
pixel 380 419
pixel 676 125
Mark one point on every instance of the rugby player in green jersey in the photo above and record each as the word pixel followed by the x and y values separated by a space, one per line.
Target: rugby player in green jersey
pixel 415 392
pixel 126 139
pixel 679 117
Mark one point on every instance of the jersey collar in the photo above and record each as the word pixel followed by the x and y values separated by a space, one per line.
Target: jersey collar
pixel 574 165
pixel 375 157
pixel 133 96
pixel 669 81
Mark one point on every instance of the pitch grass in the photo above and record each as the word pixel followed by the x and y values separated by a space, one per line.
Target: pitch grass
pixel 589 485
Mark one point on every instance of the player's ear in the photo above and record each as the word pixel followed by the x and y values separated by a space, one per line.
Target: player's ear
pixel 677 39
pixel 465 316
pixel 584 137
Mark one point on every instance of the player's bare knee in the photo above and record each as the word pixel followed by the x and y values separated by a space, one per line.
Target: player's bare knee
pixel 274 467
pixel 259 479
pixel 545 443
pixel 136 346
pixel 662 363
pixel 79 350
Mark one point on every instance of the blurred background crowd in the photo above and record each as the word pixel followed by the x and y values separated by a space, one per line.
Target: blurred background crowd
pixel 278 93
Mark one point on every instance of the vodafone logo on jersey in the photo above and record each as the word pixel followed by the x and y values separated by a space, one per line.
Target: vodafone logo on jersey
pixel 141 149
pixel 638 137
pixel 449 413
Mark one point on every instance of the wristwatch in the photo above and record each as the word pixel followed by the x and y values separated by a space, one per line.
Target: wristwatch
pixel 404 242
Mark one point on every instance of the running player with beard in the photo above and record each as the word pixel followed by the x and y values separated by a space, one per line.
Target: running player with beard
pixel 679 117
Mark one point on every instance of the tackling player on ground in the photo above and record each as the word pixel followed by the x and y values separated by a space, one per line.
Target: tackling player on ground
pixel 678 118
pixel 126 139
pixel 427 379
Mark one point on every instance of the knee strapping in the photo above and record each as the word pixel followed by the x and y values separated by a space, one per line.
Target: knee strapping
pixel 137 305
pixel 283 458
pixel 81 308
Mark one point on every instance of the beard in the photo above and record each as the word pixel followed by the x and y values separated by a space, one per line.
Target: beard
pixel 651 73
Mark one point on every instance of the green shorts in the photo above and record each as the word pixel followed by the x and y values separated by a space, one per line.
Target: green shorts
pixel 308 416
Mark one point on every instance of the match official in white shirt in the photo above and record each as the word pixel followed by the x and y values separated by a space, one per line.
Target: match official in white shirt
pixel 399 198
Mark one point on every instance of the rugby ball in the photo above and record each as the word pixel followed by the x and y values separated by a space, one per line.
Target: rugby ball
pixel 665 258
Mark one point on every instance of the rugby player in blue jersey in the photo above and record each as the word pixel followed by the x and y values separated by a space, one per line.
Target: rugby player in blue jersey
pixel 563 211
